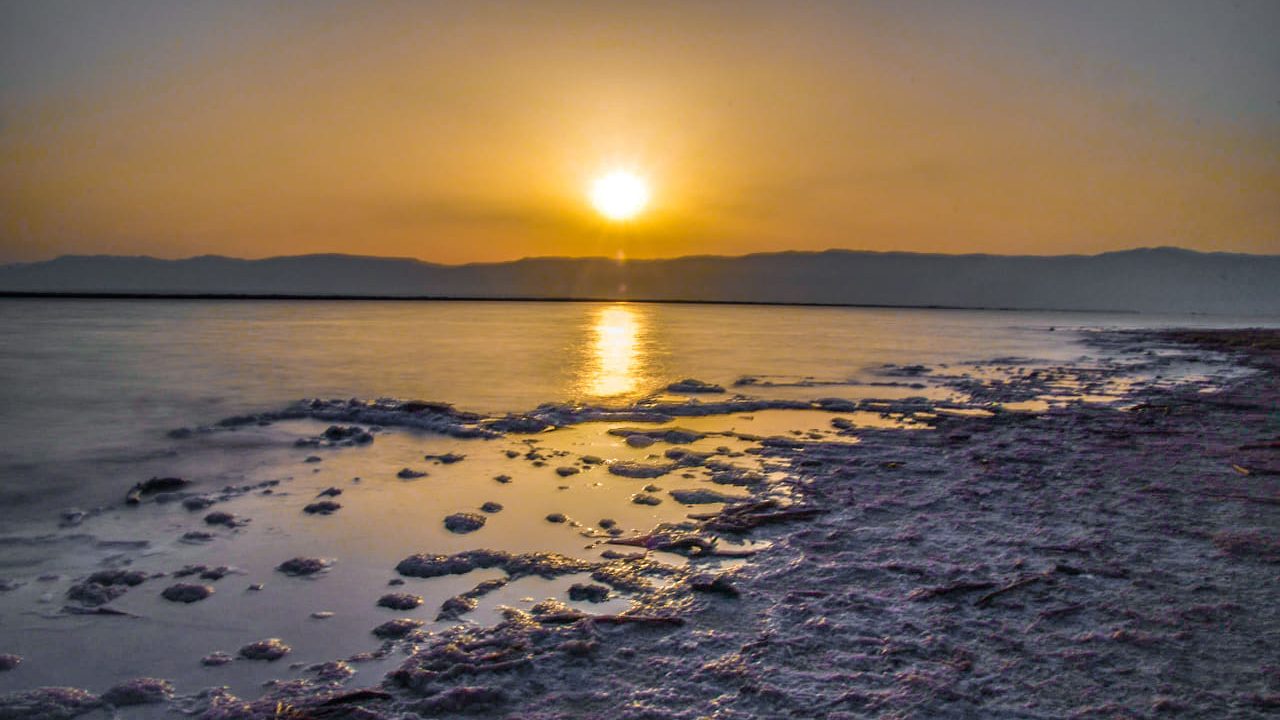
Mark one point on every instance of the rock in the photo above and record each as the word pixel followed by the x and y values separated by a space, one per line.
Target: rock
pixel 152 486
pixel 398 628
pixel 556 518
pixel 455 607
pixel 591 460
pixel 410 474
pixel 567 470
pixel 681 436
pixel 255 587
pixel 332 671
pixel 301 566
pixel 330 492
pixel 132 578
pixel 163 484
pixel 687 458
pixel 615 555
pixel 504 479
pixel 186 592
pixel 271 649
pixel 646 499
pixel 219 517
pixel 324 507
pixel 639 441
pixel 9 662
pixel 543 564
pixel 553 607
pixel 347 435
pixel 700 497
pixel 92 594
pixel 215 659
pixel 639 470
pixel 197 502
pixel 448 458
pixel 464 522
pixel 651 488
pixel 196 537
pixel 589 592
pixel 491 507
pixel 140 691
pixel 693 386
pixel 607 523
pixel 322 614
pixel 47 703
pixel 216 573
pixel 400 601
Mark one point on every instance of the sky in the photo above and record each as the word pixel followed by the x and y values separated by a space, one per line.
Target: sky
pixel 460 132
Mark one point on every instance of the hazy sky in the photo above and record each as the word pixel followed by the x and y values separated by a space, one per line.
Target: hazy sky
pixel 471 131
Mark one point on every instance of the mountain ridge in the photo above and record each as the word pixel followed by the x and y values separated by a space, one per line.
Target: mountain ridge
pixel 1162 279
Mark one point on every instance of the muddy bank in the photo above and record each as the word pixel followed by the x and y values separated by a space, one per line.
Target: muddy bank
pixel 1084 562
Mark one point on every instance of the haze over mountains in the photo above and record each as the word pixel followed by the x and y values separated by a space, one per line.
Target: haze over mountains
pixel 1146 280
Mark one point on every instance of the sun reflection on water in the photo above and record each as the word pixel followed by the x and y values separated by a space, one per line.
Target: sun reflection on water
pixel 615 365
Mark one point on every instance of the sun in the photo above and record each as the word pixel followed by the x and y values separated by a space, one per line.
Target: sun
pixel 619 195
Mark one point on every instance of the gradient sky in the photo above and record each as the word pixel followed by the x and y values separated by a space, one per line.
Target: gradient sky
pixel 470 131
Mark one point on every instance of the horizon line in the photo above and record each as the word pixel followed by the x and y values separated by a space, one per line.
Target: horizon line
pixel 290 297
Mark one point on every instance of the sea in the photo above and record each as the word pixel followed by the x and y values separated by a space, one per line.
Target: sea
pixel 89 388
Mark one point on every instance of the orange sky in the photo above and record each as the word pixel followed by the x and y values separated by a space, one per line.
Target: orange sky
pixel 462 132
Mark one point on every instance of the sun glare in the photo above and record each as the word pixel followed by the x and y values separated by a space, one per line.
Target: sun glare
pixel 619 195
pixel 616 352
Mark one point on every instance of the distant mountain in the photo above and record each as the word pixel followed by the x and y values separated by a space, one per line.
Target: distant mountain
pixel 1146 280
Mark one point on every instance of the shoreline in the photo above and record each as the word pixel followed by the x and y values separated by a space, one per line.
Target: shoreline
pixel 1065 563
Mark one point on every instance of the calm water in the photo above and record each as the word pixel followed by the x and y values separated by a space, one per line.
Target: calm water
pixel 88 388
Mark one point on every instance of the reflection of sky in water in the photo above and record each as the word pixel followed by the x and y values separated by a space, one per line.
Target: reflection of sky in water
pixel 616 352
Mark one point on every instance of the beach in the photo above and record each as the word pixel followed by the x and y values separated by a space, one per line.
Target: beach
pixel 1006 538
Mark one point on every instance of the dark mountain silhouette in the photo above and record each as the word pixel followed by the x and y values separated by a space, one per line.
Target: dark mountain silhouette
pixel 1146 280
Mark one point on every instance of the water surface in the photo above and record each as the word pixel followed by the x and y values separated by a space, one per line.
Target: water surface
pixel 89 387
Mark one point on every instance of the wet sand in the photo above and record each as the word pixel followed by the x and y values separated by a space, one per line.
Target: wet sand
pixel 1078 540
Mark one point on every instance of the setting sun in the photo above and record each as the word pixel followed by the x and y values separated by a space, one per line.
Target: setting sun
pixel 619 195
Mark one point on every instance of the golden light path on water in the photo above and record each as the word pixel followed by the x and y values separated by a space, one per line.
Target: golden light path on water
pixel 615 366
